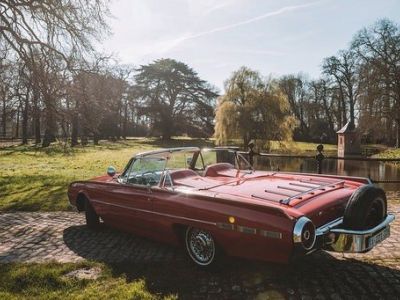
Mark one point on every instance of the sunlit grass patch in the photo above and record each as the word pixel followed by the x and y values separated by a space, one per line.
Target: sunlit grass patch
pixel 48 281
pixel 391 153
pixel 300 147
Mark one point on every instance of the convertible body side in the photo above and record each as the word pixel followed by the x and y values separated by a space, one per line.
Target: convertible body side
pixel 248 217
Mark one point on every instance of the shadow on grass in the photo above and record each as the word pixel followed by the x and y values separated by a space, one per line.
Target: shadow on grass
pixel 33 193
pixel 178 143
pixel 166 270
pixel 18 278
pixel 60 148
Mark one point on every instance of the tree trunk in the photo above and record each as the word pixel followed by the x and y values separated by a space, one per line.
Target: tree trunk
pixel 84 134
pixel 167 128
pixel 4 118
pixel 125 121
pixel 246 140
pixel 95 139
pixel 343 106
pixel 397 133
pixel 351 104
pixel 50 124
pixel 38 138
pixel 74 131
pixel 17 125
pixel 25 120
pixel 36 115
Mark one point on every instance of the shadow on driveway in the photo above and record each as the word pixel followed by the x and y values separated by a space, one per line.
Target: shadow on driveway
pixel 166 270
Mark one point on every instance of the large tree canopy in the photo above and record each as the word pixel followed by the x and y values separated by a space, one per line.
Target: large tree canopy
pixel 252 109
pixel 175 98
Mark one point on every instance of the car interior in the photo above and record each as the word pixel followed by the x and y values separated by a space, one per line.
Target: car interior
pixel 204 170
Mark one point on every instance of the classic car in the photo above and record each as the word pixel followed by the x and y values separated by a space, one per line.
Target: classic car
pixel 212 202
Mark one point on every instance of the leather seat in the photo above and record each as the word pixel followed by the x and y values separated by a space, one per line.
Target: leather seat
pixel 212 170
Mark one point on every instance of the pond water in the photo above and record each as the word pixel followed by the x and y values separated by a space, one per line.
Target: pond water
pixel 374 169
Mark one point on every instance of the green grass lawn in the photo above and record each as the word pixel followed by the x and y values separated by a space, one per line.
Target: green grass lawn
pixel 301 147
pixel 35 179
pixel 48 281
pixel 389 153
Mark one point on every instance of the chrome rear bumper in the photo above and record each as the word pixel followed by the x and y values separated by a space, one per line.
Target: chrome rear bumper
pixel 332 237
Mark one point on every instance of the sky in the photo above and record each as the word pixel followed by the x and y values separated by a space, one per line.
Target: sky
pixel 216 37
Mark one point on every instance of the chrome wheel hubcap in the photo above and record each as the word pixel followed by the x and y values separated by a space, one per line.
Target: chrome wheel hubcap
pixel 201 246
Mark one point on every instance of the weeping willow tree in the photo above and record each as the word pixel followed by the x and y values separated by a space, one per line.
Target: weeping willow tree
pixel 252 108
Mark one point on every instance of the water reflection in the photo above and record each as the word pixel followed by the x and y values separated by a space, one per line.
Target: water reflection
pixel 373 169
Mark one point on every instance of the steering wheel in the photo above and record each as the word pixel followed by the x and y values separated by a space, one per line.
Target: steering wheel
pixel 150 179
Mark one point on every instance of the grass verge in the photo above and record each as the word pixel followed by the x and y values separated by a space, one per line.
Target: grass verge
pixel 390 153
pixel 48 281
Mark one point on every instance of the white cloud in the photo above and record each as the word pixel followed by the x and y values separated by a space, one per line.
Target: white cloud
pixel 167 45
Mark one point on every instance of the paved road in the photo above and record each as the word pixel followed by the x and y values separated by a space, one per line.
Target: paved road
pixel 63 237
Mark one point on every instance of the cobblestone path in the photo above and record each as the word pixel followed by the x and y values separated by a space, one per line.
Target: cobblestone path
pixel 63 237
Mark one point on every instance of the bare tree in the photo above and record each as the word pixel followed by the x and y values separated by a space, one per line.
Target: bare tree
pixel 295 89
pixel 63 27
pixel 344 70
pixel 379 47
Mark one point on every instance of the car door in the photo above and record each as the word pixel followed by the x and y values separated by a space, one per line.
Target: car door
pixel 129 204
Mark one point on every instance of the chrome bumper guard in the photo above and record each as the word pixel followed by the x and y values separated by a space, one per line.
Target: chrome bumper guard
pixel 332 237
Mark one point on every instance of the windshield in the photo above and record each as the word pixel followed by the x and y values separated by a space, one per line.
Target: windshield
pixel 151 168
pixel 144 171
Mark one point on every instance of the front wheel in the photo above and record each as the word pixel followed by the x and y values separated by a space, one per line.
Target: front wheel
pixel 92 219
pixel 200 246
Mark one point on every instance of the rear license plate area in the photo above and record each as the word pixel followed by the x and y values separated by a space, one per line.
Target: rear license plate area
pixel 379 237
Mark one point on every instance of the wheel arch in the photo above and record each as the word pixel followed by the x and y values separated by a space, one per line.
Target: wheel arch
pixel 179 230
pixel 80 200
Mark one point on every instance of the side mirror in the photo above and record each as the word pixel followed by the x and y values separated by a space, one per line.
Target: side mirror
pixel 111 171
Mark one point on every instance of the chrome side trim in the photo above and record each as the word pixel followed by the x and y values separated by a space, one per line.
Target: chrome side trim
pixel 248 230
pixel 271 234
pixel 226 226
pixel 155 213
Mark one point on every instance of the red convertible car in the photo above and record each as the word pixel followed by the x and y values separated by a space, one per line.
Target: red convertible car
pixel 212 202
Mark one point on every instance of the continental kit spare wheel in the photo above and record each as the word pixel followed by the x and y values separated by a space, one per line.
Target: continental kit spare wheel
pixel 366 208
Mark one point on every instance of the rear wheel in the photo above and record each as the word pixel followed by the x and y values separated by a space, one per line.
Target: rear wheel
pixel 366 208
pixel 200 246
pixel 92 219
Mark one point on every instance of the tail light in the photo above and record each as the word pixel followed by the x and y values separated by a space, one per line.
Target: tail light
pixel 304 233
